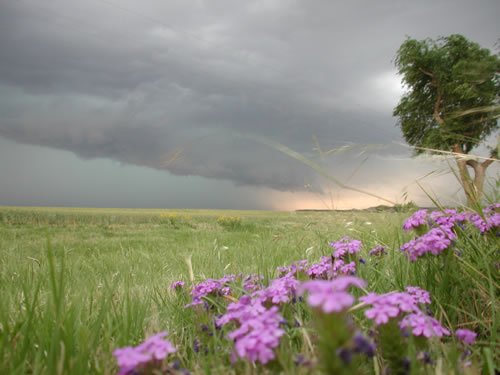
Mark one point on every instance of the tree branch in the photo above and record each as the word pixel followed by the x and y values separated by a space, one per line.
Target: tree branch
pixel 472 163
pixel 493 157
pixel 437 117
pixel 426 73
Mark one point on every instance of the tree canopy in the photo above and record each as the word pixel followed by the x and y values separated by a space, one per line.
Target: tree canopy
pixel 451 103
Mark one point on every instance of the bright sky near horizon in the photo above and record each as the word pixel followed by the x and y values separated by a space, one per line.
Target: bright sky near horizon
pixel 148 103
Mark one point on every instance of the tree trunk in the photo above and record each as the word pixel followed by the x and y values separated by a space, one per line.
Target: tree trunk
pixel 466 182
pixel 473 188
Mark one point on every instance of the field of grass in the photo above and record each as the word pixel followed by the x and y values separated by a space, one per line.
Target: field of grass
pixel 75 284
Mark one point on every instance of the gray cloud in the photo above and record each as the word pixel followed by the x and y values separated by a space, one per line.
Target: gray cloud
pixel 163 84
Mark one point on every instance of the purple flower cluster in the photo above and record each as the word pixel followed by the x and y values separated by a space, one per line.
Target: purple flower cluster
pixel 256 338
pixel 298 266
pixel 177 285
pixel 326 270
pixel 259 329
pixel 151 353
pixel 345 246
pixel 416 220
pixel 491 219
pixel 434 241
pixel 252 282
pixel 331 296
pixel 379 250
pixel 210 287
pixel 396 304
pixel 442 229
pixel 448 218
pixel 321 270
pixel 281 290
pixel 423 325
pixel 465 335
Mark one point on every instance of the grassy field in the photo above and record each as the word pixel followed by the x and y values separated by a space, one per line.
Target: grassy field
pixel 75 284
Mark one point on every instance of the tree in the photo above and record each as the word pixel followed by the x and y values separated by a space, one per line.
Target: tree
pixel 451 103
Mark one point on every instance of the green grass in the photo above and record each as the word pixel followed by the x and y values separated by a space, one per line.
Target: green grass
pixel 77 283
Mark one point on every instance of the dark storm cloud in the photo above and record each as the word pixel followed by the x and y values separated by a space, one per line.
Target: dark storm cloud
pixel 163 84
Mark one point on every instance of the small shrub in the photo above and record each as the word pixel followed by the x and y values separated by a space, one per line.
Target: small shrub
pixel 229 222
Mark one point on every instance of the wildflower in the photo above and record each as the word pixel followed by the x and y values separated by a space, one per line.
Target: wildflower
pixel 177 285
pixel 492 221
pixel 153 350
pixel 349 269
pixel 283 270
pixel 415 221
pixel 446 218
pixel 494 207
pixel 435 241
pixel 281 290
pixel 244 309
pixel 381 313
pixel 392 305
pixel 331 296
pixel 422 325
pixel 345 246
pixel 379 250
pixel 210 286
pixel 295 267
pixel 256 338
pixel 252 282
pixel 363 345
pixel 466 336
pixel 204 327
pixel 420 295
pixel 259 329
pixel 320 270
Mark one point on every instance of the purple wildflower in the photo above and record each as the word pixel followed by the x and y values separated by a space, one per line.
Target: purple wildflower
pixel 295 267
pixel 252 282
pixel 210 286
pixel 379 250
pixel 331 296
pixel 392 305
pixel 420 295
pixel 416 220
pixel 281 290
pixel 256 338
pixel 321 270
pixel 153 350
pixel 492 221
pixel 380 312
pixel 422 325
pixel 348 269
pixel 363 345
pixel 434 241
pixel 345 246
pixel 177 285
pixel 492 208
pixel 243 310
pixel 466 336
pixel 259 329
pixel 196 345
pixel 448 218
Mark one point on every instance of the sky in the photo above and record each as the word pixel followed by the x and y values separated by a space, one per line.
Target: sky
pixel 213 104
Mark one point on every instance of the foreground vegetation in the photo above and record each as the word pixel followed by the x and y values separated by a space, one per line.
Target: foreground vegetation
pixel 78 283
